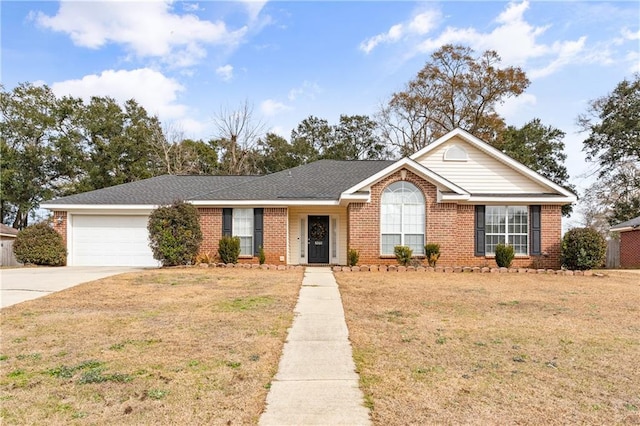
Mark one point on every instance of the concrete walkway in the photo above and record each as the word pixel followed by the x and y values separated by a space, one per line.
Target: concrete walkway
pixel 316 383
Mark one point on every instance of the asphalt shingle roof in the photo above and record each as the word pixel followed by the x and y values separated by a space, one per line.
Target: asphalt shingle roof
pixel 321 180
pixel 633 223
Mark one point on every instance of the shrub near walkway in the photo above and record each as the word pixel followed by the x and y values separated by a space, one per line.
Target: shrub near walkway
pixel 177 346
pixel 496 348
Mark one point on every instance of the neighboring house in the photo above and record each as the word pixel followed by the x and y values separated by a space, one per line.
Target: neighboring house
pixel 7 237
pixel 629 242
pixel 458 191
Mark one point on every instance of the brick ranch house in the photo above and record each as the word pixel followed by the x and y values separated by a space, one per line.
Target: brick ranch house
pixel 629 242
pixel 458 192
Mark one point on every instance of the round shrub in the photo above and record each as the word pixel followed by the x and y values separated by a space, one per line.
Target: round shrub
pixel 403 255
pixel 40 244
pixel 504 255
pixel 432 253
pixel 229 249
pixel 352 257
pixel 583 248
pixel 174 234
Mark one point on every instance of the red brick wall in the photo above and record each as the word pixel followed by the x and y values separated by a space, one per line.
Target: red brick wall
pixel 275 234
pixel 630 249
pixel 211 226
pixel 448 224
pixel 61 227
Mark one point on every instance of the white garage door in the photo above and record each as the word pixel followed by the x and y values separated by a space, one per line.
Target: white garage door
pixel 111 241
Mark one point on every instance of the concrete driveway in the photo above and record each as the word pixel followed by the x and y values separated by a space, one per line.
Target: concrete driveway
pixel 21 284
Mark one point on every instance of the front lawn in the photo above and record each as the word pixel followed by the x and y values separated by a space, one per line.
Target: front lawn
pixel 178 346
pixel 434 348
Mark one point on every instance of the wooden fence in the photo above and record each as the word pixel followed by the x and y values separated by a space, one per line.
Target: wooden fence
pixel 613 253
pixel 6 253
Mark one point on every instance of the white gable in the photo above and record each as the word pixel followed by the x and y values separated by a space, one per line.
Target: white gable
pixel 481 173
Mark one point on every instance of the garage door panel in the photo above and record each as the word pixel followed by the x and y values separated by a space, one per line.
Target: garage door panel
pixel 111 241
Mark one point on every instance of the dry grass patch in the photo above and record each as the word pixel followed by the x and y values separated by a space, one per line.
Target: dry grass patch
pixel 180 346
pixel 496 348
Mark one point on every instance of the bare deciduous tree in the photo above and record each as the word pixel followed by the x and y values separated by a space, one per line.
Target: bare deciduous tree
pixel 238 134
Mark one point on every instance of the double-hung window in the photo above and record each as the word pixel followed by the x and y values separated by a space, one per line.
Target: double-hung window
pixel 243 228
pixel 402 218
pixel 507 225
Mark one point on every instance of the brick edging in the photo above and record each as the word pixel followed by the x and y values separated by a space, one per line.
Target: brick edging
pixel 398 268
pixel 458 269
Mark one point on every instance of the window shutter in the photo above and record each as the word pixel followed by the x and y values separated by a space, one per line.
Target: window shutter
pixel 479 231
pixel 258 239
pixel 536 230
pixel 227 222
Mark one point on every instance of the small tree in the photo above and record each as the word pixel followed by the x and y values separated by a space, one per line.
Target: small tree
pixel 40 244
pixel 261 256
pixel 504 255
pixel 352 257
pixel 174 233
pixel 229 249
pixel 432 253
pixel 583 248
pixel 403 255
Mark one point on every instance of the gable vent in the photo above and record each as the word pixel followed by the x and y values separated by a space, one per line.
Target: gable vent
pixel 455 153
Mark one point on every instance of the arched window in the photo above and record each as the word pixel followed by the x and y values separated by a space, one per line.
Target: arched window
pixel 402 218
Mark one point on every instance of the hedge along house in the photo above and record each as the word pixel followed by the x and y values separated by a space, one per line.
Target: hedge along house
pixel 458 192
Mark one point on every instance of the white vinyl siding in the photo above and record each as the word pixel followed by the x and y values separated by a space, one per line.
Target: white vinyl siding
pixel 481 173
pixel 402 217
pixel 243 228
pixel 507 225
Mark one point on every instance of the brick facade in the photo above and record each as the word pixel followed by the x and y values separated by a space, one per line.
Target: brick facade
pixel 60 225
pixel 275 234
pixel 448 224
pixel 630 249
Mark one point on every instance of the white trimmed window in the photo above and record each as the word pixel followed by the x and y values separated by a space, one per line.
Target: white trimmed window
pixel 507 225
pixel 402 218
pixel 243 228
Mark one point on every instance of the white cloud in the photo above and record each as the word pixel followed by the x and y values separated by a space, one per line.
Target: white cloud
pixel 566 53
pixel 225 72
pixel 145 28
pixel 633 57
pixel 420 24
pixel 253 8
pixel 191 7
pixel 308 89
pixel 630 35
pixel 270 107
pixel 515 39
pixel 513 108
pixel 151 89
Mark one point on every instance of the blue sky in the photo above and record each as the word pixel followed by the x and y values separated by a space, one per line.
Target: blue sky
pixel 186 60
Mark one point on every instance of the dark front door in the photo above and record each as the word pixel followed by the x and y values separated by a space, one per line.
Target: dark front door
pixel 318 239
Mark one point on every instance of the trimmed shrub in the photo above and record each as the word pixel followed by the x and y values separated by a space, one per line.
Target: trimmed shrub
pixel 403 255
pixel 583 248
pixel 174 234
pixel 261 256
pixel 432 253
pixel 40 244
pixel 504 255
pixel 229 249
pixel 352 257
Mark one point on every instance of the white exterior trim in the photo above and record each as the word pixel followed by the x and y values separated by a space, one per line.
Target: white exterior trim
pixel 498 155
pixel 407 163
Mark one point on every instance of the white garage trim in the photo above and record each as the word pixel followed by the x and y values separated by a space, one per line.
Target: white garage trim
pixel 108 240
